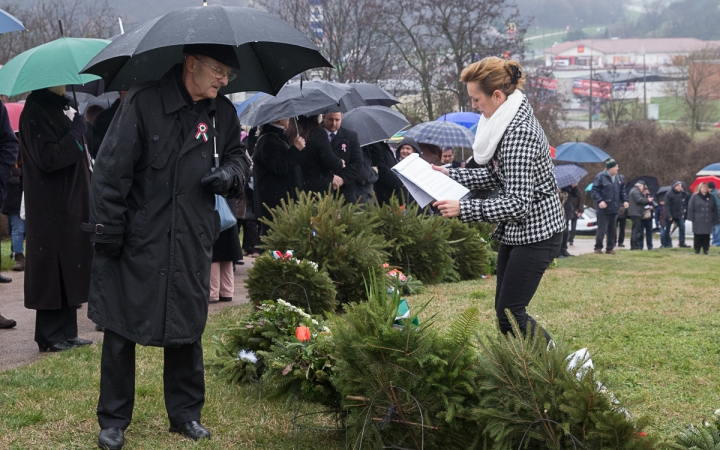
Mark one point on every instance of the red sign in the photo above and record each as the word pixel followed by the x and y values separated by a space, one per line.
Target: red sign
pixel 581 49
pixel 596 85
pixel 596 93
pixel 546 83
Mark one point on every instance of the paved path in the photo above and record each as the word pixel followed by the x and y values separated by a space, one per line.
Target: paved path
pixel 17 345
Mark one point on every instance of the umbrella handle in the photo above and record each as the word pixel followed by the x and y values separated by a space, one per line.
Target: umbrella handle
pixel 215 153
pixel 85 146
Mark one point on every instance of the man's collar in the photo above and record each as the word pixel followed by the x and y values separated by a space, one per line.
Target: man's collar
pixel 171 89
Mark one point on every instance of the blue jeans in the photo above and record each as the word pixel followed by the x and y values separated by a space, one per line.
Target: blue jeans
pixel 716 235
pixel 18 232
pixel 681 231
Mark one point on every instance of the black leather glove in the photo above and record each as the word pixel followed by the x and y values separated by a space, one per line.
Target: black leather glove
pixel 78 128
pixel 111 249
pixel 221 180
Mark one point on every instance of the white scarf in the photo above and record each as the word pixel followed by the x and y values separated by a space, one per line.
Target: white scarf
pixel 490 131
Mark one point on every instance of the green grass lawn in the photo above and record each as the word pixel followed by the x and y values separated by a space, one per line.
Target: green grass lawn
pixel 651 320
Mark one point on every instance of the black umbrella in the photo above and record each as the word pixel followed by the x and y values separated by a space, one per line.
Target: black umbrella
pixel 301 99
pixel 651 182
pixel 375 95
pixel 270 50
pixel 374 123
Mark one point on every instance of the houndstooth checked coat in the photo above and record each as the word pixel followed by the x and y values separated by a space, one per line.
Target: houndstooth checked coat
pixel 528 208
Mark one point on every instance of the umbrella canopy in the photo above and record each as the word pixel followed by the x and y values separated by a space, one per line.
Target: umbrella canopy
pixel 568 174
pixel 295 100
pixel 269 49
pixel 374 123
pixel 374 95
pixel 443 134
pixel 465 119
pixel 660 194
pixel 712 169
pixel 14 110
pixel 651 182
pixel 55 63
pixel 705 179
pixel 240 107
pixel 589 187
pixel 397 137
pixel 9 23
pixel 580 152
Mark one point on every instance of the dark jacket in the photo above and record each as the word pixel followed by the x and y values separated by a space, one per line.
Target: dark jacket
pixel 56 182
pixel 13 190
pixel 637 202
pixel 367 174
pixel 346 146
pixel 572 194
pixel 702 212
pixel 101 125
pixel 146 192
pixel 276 170
pixel 318 162
pixel 388 182
pixel 612 193
pixel 8 149
pixel 674 203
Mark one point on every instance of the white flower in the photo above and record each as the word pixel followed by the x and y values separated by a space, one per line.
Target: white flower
pixel 315 322
pixel 326 329
pixel 247 355
pixel 283 302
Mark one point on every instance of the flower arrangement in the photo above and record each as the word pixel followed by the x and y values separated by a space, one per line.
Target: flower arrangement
pixel 405 283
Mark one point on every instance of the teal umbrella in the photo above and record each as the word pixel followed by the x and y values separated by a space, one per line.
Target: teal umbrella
pixel 56 63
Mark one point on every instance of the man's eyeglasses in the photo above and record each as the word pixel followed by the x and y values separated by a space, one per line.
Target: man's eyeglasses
pixel 218 72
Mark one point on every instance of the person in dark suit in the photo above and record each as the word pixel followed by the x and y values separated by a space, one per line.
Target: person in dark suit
pixel 319 162
pixel 346 146
pixel 387 184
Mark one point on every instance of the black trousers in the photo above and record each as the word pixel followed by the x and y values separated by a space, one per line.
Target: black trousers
pixel 636 235
pixel 621 221
pixel 701 241
pixel 605 226
pixel 251 239
pixel 519 271
pixel 183 381
pixel 53 326
pixel 572 225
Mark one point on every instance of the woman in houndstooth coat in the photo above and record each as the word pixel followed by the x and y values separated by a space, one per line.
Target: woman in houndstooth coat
pixel 514 157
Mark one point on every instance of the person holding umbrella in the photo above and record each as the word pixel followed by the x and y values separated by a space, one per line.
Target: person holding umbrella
pixel 172 147
pixel 513 155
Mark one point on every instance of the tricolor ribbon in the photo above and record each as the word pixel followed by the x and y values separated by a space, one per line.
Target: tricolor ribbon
pixel 277 254
pixel 202 131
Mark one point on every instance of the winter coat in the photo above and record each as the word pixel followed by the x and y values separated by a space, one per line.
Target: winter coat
pixel 101 125
pixel 56 182
pixel 703 213
pixel 276 170
pixel 636 202
pixel 318 162
pixel 146 193
pixel 674 203
pixel 388 183
pixel 13 191
pixel 716 195
pixel 367 175
pixel 346 146
pixel 572 194
pixel 8 149
pixel 612 193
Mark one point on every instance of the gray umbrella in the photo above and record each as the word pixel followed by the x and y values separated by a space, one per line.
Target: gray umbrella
pixel 270 50
pixel 443 134
pixel 374 123
pixel 568 174
pixel 375 95
pixel 294 100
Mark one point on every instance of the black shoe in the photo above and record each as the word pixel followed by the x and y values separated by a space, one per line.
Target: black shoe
pixel 192 430
pixel 57 347
pixel 684 246
pixel 570 243
pixel 111 438
pixel 7 323
pixel 77 342
pixel 565 254
pixel 225 299
pixel 621 245
pixel 4 279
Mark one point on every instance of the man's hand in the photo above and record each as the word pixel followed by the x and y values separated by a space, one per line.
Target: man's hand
pixel 219 180
pixel 448 208
pixel 626 205
pixel 78 128
pixel 602 205
pixel 299 143
pixel 337 181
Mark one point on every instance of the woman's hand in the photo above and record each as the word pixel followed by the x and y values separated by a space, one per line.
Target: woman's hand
pixel 440 169
pixel 448 208
pixel 299 142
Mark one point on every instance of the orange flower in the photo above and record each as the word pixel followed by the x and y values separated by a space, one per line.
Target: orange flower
pixel 386 265
pixel 302 333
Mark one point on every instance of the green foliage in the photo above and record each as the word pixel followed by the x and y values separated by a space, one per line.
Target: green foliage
pixel 299 282
pixel 417 243
pixel 528 392
pixel 705 437
pixel 468 251
pixel 269 324
pixel 340 237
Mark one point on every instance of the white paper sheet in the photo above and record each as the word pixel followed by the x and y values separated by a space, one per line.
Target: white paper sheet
pixel 426 184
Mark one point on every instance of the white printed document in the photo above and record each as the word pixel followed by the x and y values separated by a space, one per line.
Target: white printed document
pixel 425 184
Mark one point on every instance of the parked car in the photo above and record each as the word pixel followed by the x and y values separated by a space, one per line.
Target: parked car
pixel 587 223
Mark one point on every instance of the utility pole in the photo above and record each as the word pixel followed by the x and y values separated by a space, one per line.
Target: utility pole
pixel 590 100
pixel 645 105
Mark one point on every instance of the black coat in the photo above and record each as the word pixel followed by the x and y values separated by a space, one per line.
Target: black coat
pixel 367 174
pixel 146 186
pixel 56 181
pixel 675 204
pixel 318 162
pixel 101 125
pixel 388 182
pixel 8 149
pixel 346 146
pixel 568 206
pixel 702 212
pixel 13 191
pixel 276 170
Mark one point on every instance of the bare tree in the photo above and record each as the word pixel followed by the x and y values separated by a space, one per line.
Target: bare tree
pixel 619 108
pixel 541 92
pixel 697 82
pixel 80 18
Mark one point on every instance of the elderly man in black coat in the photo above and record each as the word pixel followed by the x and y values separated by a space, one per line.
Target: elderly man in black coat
pixel 8 156
pixel 56 184
pixel 346 146
pixel 153 224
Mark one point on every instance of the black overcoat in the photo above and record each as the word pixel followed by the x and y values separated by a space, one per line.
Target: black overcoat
pixel 56 182
pixel 346 146
pixel 318 162
pixel 388 184
pixel 276 170
pixel 146 184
